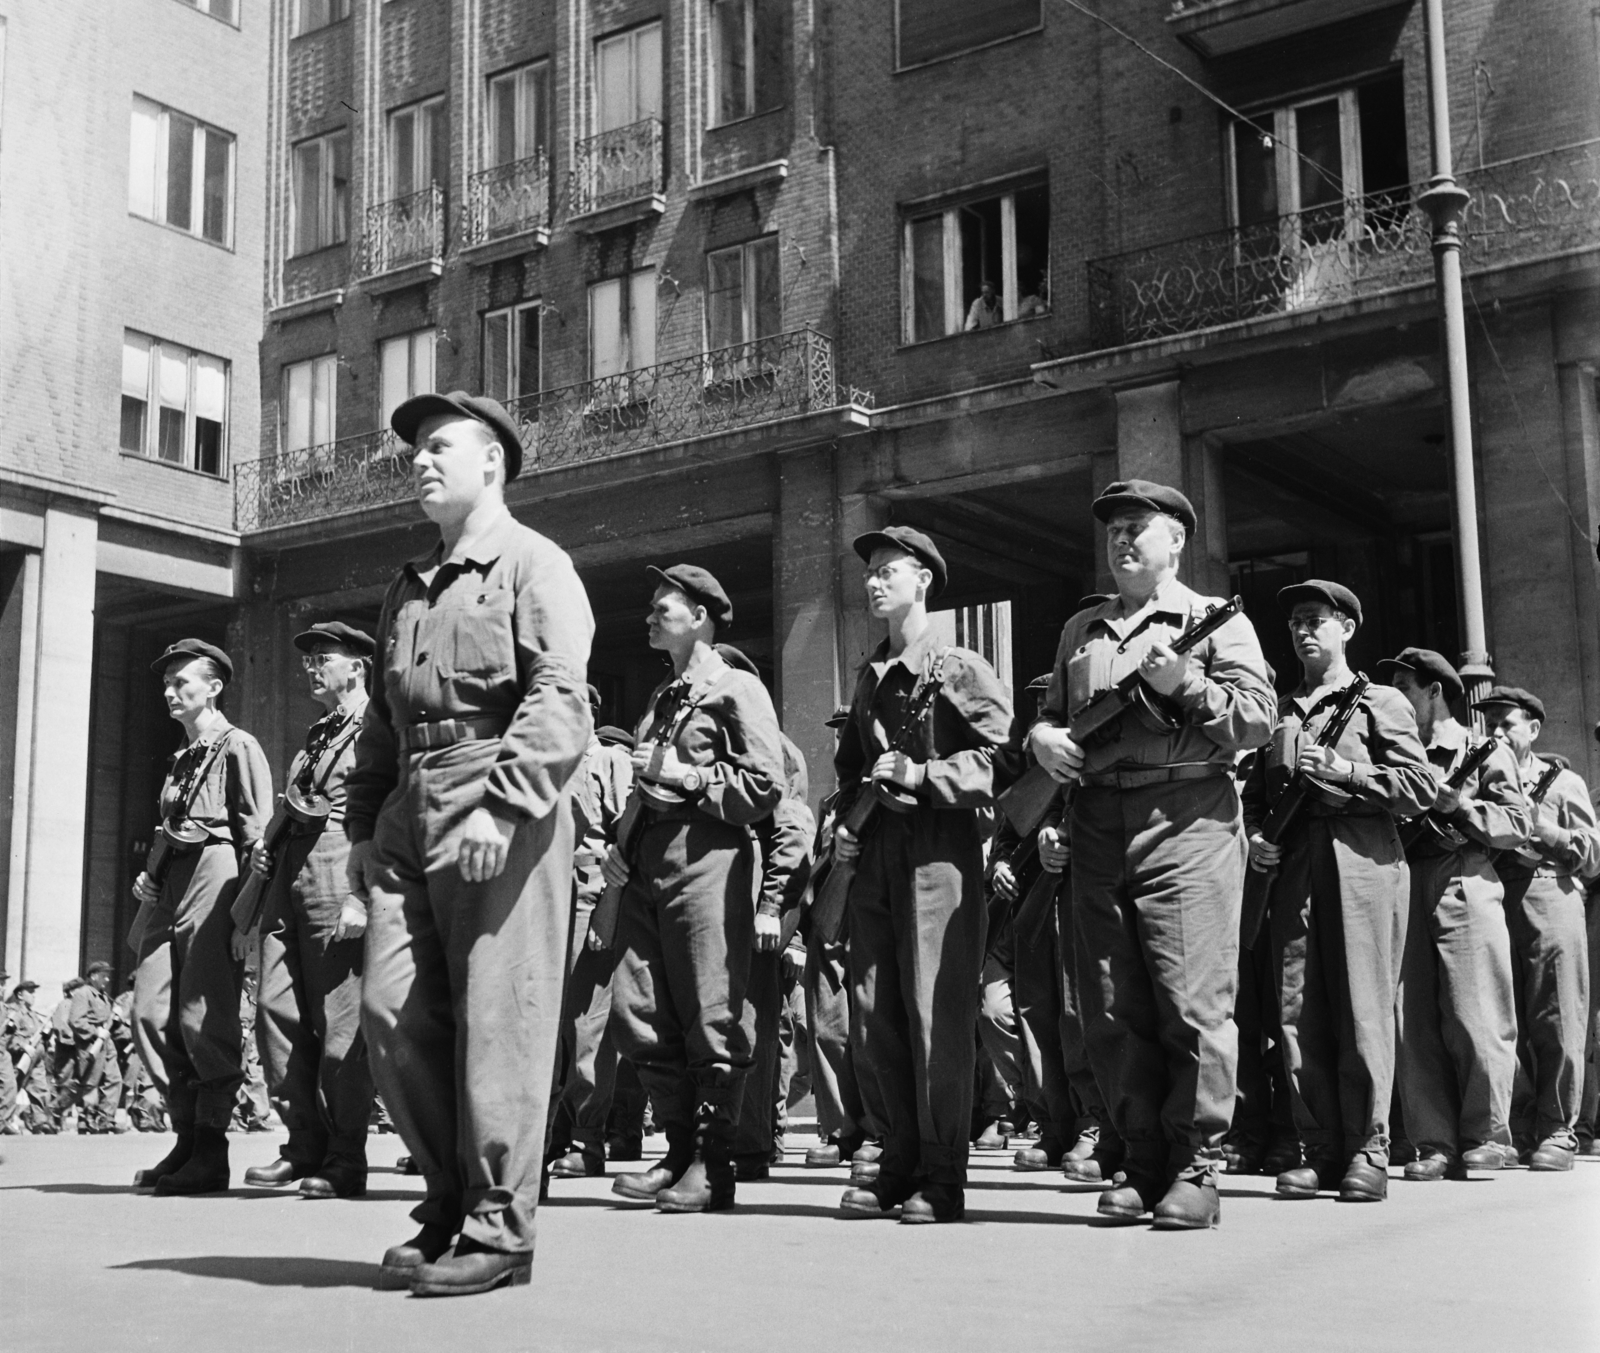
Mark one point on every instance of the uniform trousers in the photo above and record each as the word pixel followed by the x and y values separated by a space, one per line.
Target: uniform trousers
pixel 1036 988
pixel 461 1002
pixel 1591 1048
pixel 308 1008
pixel 586 1062
pixel 1338 933
pixel 186 990
pixel 833 1077
pixel 99 1081
pixel 759 1093
pixel 1088 1099
pixel 1262 1113
pixel 916 953
pixel 1156 883
pixel 1000 1081
pixel 684 943
pixel 1457 1031
pixel 1550 958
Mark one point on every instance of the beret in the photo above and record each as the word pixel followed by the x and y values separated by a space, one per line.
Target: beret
pixel 1512 695
pixel 336 631
pixel 410 416
pixel 1336 595
pixel 99 965
pixel 1428 667
pixel 919 546
pixel 194 648
pixel 1144 493
pixel 613 736
pixel 841 716
pixel 700 587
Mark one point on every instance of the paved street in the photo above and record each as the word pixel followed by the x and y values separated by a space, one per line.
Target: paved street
pixel 1502 1261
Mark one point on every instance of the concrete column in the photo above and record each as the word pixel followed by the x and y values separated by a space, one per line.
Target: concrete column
pixel 22 620
pixel 57 756
pixel 1206 559
pixel 1577 324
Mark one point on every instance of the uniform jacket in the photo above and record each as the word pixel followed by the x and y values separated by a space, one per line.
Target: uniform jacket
pixel 332 768
pixel 969 722
pixel 1392 774
pixel 600 789
pixel 234 802
pixel 786 839
pixel 721 720
pixel 1567 804
pixel 501 634
pixel 1494 810
pixel 90 1013
pixel 1227 701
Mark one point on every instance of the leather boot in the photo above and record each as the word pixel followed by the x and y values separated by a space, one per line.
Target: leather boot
pixel 335 1181
pixel 401 1262
pixel 642 1186
pixel 584 1161
pixel 934 1203
pixel 1489 1156
pixel 864 1163
pixel 877 1199
pixel 276 1175
pixel 625 1148
pixel 1552 1155
pixel 992 1138
pixel 751 1166
pixel 206 1170
pixel 1364 1182
pixel 1243 1157
pixel 707 1185
pixel 1283 1154
pixel 1130 1196
pixel 1083 1148
pixel 824 1156
pixel 1188 1206
pixel 472 1268
pixel 1045 1156
pixel 171 1163
pixel 1306 1181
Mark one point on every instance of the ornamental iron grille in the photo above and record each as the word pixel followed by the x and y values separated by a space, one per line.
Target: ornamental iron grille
pixel 617 167
pixel 403 232
pixel 699 396
pixel 1517 211
pixel 509 199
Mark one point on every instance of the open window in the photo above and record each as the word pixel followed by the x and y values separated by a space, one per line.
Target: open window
pixel 743 306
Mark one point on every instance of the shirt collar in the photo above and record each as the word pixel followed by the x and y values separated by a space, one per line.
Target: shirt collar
pixel 700 675
pixel 1307 706
pixel 1451 736
pixel 490 546
pixel 1171 598
pixel 913 658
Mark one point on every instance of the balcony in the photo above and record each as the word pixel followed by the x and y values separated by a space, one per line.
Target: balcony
pixel 1221 27
pixel 508 206
pixel 403 243
pixel 786 376
pixel 1520 211
pixel 617 177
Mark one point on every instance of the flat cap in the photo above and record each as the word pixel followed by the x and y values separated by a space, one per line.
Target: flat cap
pixel 914 543
pixel 594 696
pixel 1515 696
pixel 699 586
pixel 613 736
pixel 99 965
pixel 26 984
pixel 841 716
pixel 409 417
pixel 336 632
pixel 1040 682
pixel 1428 667
pixel 737 657
pixel 1145 494
pixel 194 648
pixel 1336 595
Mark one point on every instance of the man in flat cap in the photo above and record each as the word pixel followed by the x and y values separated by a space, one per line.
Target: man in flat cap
pixel 1339 902
pixel 26 1039
pixel 586 1064
pixel 214 807
pixel 842 1133
pixel 1157 853
pixel 461 842
pixel 708 766
pixel 1457 1029
pixel 917 904
pixel 96 1075
pixel 308 1003
pixel 1544 883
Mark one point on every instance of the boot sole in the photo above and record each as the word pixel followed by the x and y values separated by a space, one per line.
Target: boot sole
pixel 1282 1192
pixel 392 1279
pixel 1549 1169
pixel 1185 1224
pixel 1348 1197
pixel 713 1205
pixel 216 1185
pixel 519 1276
pixel 851 1213
pixel 929 1219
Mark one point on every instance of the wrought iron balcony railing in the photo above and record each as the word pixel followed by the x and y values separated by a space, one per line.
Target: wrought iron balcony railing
pixel 1519 210
pixel 403 232
pixel 509 199
pixel 699 396
pixel 617 167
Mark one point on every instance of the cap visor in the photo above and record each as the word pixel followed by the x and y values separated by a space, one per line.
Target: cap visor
pixel 411 415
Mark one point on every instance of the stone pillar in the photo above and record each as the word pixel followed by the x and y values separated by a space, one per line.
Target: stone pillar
pixel 56 755
pixel 805 608
pixel 1206 559
pixel 1577 323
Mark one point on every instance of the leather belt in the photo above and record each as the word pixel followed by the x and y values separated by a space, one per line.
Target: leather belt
pixel 1155 775
pixel 426 737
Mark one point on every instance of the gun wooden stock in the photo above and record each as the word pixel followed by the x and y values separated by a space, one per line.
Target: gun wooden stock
pixel 1029 799
pixel 603 920
pixel 1034 912
pixel 788 924
pixel 252 894
pixel 1431 826
pixel 827 912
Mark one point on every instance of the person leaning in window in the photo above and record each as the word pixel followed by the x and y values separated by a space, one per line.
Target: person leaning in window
pixel 986 311
pixel 214 807
pixel 308 1002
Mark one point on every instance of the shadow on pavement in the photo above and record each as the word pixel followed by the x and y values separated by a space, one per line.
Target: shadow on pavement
pixel 265 1271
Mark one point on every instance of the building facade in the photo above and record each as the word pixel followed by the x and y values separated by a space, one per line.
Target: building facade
pixel 131 247
pixel 725 260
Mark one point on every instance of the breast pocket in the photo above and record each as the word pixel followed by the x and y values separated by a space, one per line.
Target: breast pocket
pixel 474 636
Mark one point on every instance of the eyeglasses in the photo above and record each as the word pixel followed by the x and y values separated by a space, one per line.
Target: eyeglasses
pixel 315 662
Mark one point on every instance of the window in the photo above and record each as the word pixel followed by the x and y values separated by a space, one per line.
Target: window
pixel 511 352
pixel 310 410
pixel 405 368
pixel 180 172
pixel 419 149
pixel 628 77
pixel 950 254
pixel 743 294
pixel 747 53
pixel 622 324
pixel 930 29
pixel 174 403
pixel 226 10
pixel 1312 160
pixel 321 192
pixel 519 114
pixel 310 15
